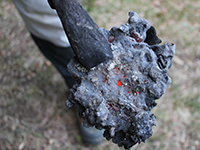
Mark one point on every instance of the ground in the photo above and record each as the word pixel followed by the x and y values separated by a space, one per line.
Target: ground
pixel 32 93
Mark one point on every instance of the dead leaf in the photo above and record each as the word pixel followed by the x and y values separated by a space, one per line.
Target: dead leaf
pixel 156 3
pixel 47 63
pixel 21 146
pixel 186 144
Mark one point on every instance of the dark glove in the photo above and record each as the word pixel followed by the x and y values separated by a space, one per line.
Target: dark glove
pixel 86 40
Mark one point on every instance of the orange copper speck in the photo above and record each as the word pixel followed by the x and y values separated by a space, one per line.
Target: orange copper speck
pixel 119 83
pixel 111 39
pixel 138 93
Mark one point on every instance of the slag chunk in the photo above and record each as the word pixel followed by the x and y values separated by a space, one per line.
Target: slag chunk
pixel 118 95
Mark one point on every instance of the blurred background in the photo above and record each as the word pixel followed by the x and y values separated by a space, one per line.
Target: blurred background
pixel 32 93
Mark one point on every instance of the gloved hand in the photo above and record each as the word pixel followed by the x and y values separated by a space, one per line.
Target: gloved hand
pixel 87 41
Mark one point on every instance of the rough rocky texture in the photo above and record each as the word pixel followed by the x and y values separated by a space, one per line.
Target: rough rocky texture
pixel 118 95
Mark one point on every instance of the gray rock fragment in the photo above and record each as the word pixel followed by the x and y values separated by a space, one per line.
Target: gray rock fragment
pixel 119 94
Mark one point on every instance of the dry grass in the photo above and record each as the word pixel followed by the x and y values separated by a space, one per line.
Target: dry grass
pixel 32 93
